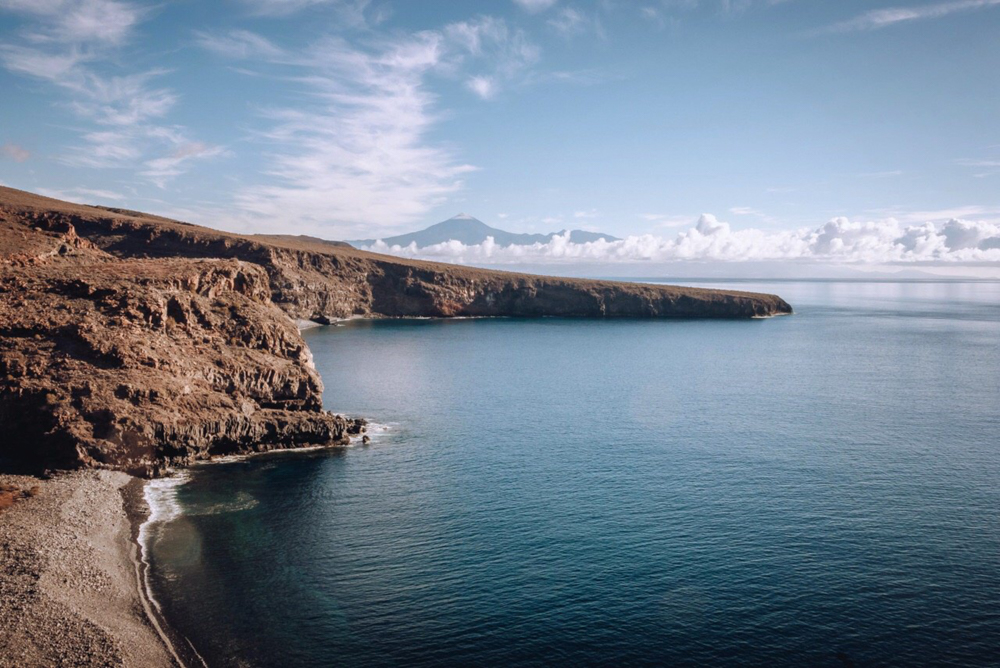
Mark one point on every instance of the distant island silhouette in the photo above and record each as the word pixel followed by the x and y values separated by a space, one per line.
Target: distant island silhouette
pixel 470 231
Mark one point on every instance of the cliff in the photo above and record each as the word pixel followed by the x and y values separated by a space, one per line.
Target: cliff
pixel 321 280
pixel 134 364
pixel 131 341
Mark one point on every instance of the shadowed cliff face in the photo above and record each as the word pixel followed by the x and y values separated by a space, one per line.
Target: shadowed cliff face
pixel 131 341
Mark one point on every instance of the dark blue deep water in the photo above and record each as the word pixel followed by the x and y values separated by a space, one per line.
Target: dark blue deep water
pixel 821 489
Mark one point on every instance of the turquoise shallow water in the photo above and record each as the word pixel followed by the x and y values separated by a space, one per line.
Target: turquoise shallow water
pixel 822 489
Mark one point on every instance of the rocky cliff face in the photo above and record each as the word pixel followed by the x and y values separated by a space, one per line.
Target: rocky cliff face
pixel 131 341
pixel 135 364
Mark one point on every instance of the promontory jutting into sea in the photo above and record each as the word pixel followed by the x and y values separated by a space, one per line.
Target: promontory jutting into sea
pixel 521 333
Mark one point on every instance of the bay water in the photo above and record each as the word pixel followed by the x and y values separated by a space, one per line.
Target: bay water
pixel 821 489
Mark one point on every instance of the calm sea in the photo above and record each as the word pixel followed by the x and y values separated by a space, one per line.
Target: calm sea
pixel 821 489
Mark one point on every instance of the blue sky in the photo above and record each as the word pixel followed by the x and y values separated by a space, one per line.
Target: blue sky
pixel 763 124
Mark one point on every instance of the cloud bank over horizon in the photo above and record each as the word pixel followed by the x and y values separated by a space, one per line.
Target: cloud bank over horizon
pixel 353 119
pixel 839 241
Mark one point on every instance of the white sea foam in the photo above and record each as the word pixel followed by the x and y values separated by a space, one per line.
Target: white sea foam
pixel 161 497
pixel 378 432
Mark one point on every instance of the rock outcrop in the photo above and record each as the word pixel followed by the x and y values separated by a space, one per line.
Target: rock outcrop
pixel 130 341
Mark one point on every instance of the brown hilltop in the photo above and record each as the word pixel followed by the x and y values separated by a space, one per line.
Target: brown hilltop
pixel 128 340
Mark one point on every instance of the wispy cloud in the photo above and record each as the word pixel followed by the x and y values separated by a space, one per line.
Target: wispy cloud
pixel 722 7
pixel 238 44
pixel 491 52
pixel 79 21
pixel 876 19
pixel 82 195
pixel 348 12
pixel 752 212
pixel 163 169
pixel 483 86
pixel 14 152
pixel 653 15
pixel 70 44
pixel 535 6
pixel 569 22
pixel 977 163
pixel 970 211
pixel 357 156
pixel 589 213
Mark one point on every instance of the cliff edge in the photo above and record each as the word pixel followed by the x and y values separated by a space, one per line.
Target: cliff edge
pixel 130 341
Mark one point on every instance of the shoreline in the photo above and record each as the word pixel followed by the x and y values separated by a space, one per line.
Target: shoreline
pixel 74 573
pixel 70 588
pixel 136 506
pixel 139 507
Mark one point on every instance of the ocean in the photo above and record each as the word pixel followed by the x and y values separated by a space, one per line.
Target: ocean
pixel 821 489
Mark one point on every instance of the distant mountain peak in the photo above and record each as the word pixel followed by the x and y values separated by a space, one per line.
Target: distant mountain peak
pixel 470 230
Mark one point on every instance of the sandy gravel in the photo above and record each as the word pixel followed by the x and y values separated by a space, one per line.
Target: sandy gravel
pixel 68 578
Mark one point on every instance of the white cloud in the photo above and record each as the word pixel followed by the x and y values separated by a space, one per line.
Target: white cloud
pixel 491 51
pixel 482 86
pixel 348 12
pixel 941 215
pixel 882 18
pixel 71 44
pixel 239 44
pixel 591 213
pixel 723 7
pixel 653 16
pixel 569 22
pixel 163 169
pixel 357 156
pixel 82 195
pixel 535 6
pixel 14 152
pixel 839 241
pixel 78 21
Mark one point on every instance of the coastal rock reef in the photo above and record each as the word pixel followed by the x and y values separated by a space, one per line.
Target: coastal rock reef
pixel 133 342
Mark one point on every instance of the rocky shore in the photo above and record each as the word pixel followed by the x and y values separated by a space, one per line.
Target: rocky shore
pixel 69 586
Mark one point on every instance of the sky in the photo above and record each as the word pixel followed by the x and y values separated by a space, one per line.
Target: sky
pixel 858 132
